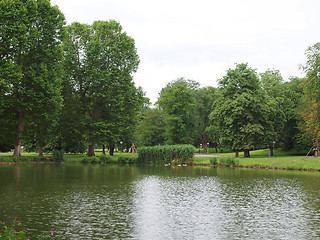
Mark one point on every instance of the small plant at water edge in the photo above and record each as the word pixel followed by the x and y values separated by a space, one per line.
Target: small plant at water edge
pixel 93 159
pixel 12 233
pixel 214 161
pixel 228 162
pixel 105 158
pixel 58 155
pixel 126 160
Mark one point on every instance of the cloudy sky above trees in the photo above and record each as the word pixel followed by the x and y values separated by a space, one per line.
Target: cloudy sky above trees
pixel 202 39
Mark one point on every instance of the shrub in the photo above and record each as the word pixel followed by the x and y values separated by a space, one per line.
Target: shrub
pixel 228 162
pixel 126 160
pixel 58 155
pixel 93 159
pixel 176 154
pixel 106 158
pixel 214 161
pixel 39 159
pixel 11 232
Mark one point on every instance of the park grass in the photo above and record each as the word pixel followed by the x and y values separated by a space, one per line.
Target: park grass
pixel 258 159
pixel 280 160
pixel 28 157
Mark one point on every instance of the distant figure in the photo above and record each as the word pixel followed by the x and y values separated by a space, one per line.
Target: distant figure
pixel 199 151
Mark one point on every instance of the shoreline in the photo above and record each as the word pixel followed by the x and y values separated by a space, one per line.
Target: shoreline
pixel 190 165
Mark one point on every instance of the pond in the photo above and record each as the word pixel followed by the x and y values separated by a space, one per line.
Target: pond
pixel 152 202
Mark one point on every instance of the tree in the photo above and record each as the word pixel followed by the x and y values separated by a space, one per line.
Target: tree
pixel 151 129
pixel 100 60
pixel 310 104
pixel 292 93
pixel 239 114
pixel 178 102
pixel 205 98
pixel 271 81
pixel 31 33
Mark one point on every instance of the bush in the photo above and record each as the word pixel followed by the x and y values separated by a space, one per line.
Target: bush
pixel 58 156
pixel 93 159
pixel 214 161
pixel 40 159
pixel 105 158
pixel 228 162
pixel 173 154
pixel 126 160
pixel 13 232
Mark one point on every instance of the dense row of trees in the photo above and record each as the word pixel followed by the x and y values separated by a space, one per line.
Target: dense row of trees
pixel 71 88
pixel 64 87
pixel 246 111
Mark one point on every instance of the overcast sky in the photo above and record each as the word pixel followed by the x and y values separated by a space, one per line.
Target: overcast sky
pixel 202 39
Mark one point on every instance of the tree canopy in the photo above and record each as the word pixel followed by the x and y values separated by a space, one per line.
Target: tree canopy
pixel 239 114
pixel 100 59
pixel 30 57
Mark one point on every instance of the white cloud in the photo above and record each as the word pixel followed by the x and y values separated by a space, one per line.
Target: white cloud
pixel 201 39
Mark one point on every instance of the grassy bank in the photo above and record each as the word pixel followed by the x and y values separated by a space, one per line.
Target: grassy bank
pixel 259 158
pixel 281 159
pixel 33 157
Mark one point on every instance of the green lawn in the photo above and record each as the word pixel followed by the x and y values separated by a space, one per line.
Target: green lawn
pixel 259 158
pixel 281 159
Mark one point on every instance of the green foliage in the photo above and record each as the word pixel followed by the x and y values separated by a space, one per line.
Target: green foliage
pixel 106 159
pixel 150 130
pixel 241 118
pixel 13 232
pixel 126 160
pixel 31 34
pixel 178 102
pixel 310 104
pixel 205 98
pixel 58 156
pixel 228 162
pixel 214 161
pixel 99 61
pixel 173 154
pixel 90 159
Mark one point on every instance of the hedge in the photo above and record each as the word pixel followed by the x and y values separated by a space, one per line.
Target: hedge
pixel 168 154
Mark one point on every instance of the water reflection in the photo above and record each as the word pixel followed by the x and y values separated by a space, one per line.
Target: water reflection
pixel 122 202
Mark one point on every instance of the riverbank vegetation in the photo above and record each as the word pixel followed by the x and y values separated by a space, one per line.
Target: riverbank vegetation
pixel 259 159
pixel 69 89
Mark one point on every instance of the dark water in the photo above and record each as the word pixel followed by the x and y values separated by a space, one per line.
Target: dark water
pixel 123 202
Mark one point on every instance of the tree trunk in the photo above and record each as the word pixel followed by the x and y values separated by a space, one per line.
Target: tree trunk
pixel 246 153
pixel 271 153
pixel 103 150
pixel 40 149
pixel 111 151
pixel 204 142
pixel 90 152
pixel 237 153
pixel 17 146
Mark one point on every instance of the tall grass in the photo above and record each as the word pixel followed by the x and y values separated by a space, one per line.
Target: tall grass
pixel 173 154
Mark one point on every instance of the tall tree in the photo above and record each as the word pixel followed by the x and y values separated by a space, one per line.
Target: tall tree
pixel 178 102
pixel 239 114
pixel 101 59
pixel 310 104
pixel 205 98
pixel 31 33
pixel 292 93
pixel 271 81
pixel 151 128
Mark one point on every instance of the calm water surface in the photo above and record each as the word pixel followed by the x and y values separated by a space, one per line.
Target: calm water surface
pixel 123 202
